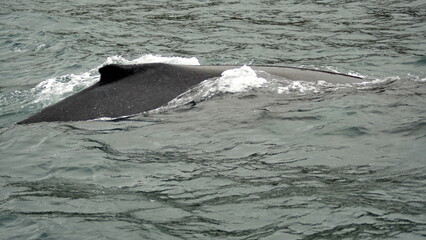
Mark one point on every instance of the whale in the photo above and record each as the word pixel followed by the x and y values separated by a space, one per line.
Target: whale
pixel 125 90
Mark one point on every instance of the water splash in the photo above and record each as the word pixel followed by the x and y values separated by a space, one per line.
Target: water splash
pixel 237 80
pixel 54 89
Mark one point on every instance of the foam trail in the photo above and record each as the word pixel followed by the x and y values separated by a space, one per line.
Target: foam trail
pixel 245 80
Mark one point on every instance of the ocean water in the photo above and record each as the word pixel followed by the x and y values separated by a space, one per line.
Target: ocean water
pixel 257 157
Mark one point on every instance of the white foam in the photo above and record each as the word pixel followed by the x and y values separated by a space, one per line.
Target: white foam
pixel 297 86
pixel 17 49
pixel 417 78
pixel 149 58
pixel 305 87
pixel 40 47
pixel 238 80
pixel 55 89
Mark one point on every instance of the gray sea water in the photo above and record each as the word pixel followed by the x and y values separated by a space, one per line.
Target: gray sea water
pixel 294 161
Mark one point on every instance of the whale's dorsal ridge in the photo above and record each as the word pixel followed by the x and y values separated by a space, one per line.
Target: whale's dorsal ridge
pixel 113 72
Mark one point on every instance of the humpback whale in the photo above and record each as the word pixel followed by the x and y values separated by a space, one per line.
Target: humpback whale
pixel 130 89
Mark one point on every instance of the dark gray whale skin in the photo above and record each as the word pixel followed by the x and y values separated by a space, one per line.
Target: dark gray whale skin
pixel 130 89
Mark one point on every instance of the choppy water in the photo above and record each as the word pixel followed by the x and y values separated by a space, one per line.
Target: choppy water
pixel 263 158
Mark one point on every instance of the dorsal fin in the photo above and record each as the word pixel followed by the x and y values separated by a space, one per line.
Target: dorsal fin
pixel 114 72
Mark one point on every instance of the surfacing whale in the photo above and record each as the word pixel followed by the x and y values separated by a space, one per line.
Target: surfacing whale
pixel 130 89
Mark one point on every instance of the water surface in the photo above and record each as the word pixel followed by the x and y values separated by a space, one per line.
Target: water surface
pixel 273 159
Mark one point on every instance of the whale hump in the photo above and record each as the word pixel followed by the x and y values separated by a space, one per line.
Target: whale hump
pixel 125 90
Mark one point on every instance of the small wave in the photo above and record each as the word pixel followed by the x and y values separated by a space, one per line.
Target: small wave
pixel 420 79
pixel 374 84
